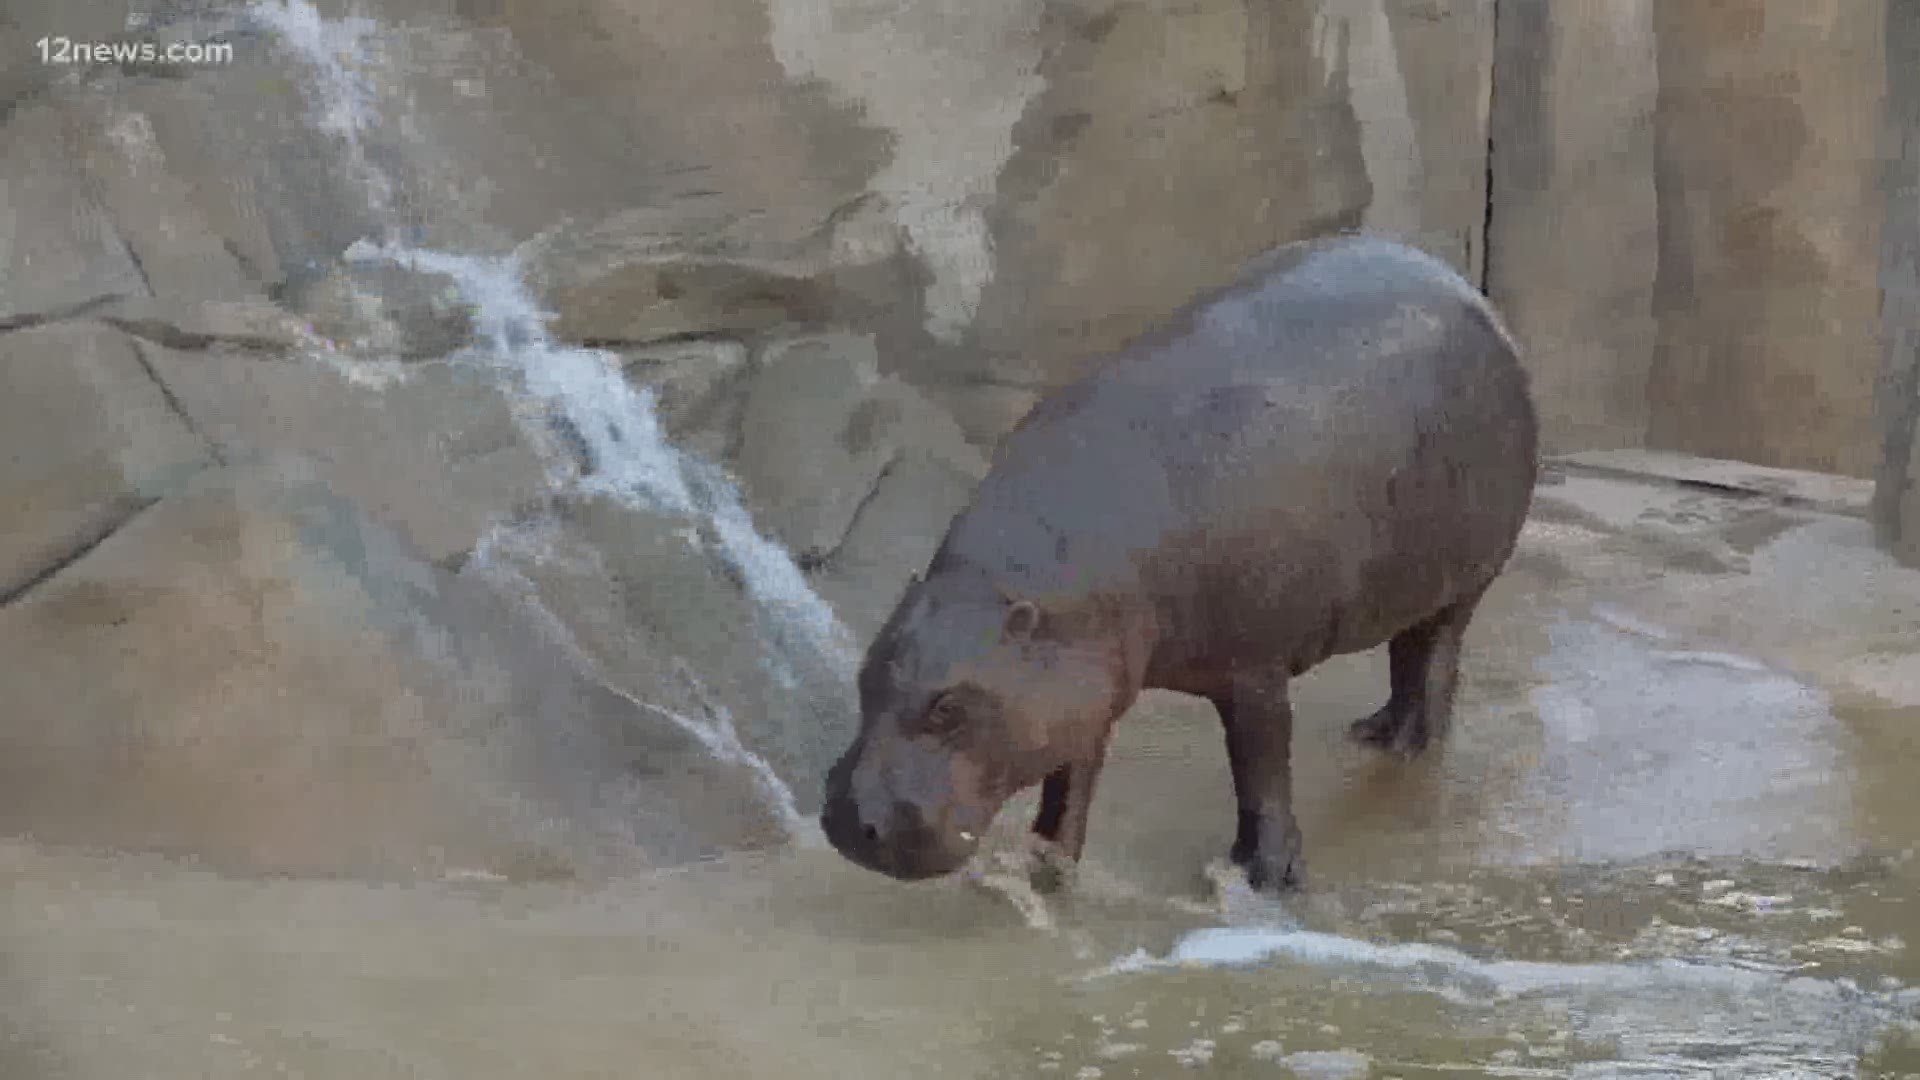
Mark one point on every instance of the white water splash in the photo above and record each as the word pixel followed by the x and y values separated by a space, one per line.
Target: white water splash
pixel 631 460
pixel 1244 946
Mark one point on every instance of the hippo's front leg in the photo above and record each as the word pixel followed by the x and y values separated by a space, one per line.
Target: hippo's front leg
pixel 1259 724
pixel 1060 827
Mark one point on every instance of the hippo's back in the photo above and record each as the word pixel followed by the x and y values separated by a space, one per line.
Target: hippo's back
pixel 1308 460
pixel 1348 431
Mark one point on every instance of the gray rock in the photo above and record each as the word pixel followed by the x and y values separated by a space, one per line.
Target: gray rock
pixel 809 452
pixel 156 195
pixel 893 536
pixel 435 455
pixel 242 324
pixel 821 428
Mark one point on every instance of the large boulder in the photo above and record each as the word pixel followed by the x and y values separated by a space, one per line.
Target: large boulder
pixel 253 674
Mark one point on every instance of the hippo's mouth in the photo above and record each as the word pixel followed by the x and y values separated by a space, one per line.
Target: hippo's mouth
pixel 907 855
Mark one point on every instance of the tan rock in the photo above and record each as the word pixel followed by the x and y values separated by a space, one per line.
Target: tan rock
pixel 153 199
pixel 88 437
pixel 59 249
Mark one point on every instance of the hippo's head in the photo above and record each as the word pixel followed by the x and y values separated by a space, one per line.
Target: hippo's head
pixel 967 696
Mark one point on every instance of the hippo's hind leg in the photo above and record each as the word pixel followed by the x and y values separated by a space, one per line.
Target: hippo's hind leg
pixel 1258 717
pixel 1425 662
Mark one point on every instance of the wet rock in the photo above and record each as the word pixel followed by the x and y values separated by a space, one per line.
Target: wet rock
pixel 59 248
pixel 653 602
pixel 699 391
pixel 252 674
pixel 88 437
pixel 385 311
pixel 436 455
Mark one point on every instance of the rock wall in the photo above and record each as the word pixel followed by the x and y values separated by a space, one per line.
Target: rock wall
pixel 1768 183
pixel 1572 229
pixel 1896 504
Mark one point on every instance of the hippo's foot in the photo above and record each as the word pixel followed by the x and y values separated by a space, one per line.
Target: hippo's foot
pixel 1050 869
pixel 1273 862
pixel 1390 728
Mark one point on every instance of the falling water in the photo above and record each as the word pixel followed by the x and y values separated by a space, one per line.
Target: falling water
pixel 583 391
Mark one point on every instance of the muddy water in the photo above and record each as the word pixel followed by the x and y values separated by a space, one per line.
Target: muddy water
pixel 1642 854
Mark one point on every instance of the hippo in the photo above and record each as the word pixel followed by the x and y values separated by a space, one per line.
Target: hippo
pixel 1334 450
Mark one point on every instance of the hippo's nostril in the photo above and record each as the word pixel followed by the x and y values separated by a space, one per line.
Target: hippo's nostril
pixel 872 834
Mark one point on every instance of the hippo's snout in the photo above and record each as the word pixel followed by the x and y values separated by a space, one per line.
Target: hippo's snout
pixel 889 835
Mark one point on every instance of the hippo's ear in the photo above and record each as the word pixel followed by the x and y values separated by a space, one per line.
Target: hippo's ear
pixel 1023 618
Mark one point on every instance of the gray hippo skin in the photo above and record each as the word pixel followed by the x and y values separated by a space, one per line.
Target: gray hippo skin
pixel 1335 450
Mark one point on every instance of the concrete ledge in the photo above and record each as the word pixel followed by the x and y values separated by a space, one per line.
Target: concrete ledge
pixel 1844 495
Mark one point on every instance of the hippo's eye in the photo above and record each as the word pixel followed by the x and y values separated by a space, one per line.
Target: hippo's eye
pixel 946 712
